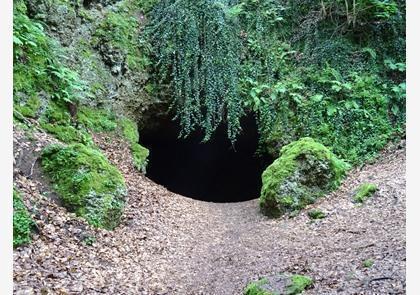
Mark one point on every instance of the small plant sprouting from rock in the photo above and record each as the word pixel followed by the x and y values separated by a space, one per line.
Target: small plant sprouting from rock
pixel 368 263
pixel 316 214
pixel 89 240
pixel 364 192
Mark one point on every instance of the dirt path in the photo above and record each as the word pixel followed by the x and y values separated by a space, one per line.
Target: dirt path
pixel 169 244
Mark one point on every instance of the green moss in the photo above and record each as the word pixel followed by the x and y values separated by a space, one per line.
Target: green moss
pixel 364 192
pixel 29 108
pixel 256 288
pixel 68 134
pixel 129 129
pixel 298 284
pixel 143 5
pixel 140 153
pixel 96 119
pixel 119 30
pixel 368 263
pixel 305 171
pixel 316 214
pixel 22 222
pixel 86 183
pixel 57 113
pixel 57 121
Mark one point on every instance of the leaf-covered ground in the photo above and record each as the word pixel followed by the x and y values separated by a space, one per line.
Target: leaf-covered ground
pixel 170 244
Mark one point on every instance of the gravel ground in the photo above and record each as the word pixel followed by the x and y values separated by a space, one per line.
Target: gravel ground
pixel 170 244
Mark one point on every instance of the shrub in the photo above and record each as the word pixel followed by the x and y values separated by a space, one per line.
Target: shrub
pixel 350 114
pixel 364 192
pixel 86 183
pixel 304 171
pixel 22 222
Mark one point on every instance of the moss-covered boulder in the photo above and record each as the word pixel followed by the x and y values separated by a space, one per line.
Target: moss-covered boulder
pixel 304 171
pixel 86 183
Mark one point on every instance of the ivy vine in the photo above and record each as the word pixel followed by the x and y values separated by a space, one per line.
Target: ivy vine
pixel 197 49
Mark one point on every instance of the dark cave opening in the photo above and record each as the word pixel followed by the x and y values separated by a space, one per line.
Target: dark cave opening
pixel 214 171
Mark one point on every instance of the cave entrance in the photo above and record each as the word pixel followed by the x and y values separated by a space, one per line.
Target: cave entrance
pixel 213 171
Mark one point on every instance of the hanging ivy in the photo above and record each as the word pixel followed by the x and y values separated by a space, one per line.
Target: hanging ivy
pixel 196 46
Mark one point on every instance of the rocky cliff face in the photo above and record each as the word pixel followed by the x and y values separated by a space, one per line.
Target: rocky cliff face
pixel 102 42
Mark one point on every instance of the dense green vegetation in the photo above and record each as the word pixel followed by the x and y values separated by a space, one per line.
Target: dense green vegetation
pixel 197 46
pixel 304 171
pixel 48 90
pixel 22 222
pixel 330 70
pixel 86 183
pixel 38 67
pixel 334 71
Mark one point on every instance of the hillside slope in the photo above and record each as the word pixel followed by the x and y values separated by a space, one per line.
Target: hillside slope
pixel 170 244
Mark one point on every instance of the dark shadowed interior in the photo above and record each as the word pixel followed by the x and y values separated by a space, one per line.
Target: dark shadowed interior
pixel 214 171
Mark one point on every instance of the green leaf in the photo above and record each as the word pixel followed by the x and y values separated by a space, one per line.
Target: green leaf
pixel 395 110
pixel 17 41
pixel 336 88
pixel 317 97
pixel 331 110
